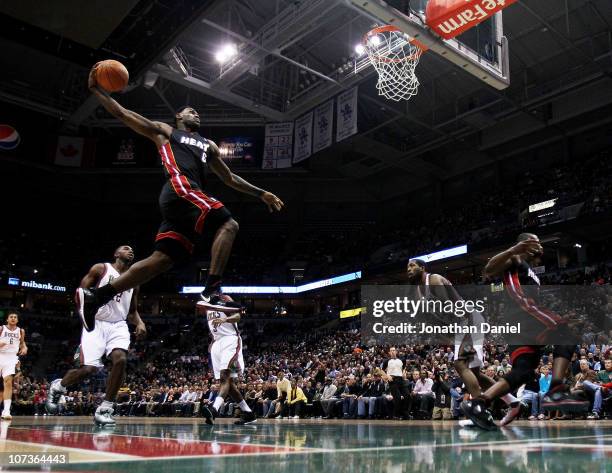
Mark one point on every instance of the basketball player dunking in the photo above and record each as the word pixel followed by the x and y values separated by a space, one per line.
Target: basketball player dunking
pixel 226 354
pixel 469 351
pixel 186 210
pixel 110 337
pixel 12 345
pixel 515 265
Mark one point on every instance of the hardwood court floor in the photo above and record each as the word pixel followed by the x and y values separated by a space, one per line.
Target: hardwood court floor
pixel 151 445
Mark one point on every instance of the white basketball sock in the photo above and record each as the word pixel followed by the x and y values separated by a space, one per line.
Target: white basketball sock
pixel 244 407
pixel 509 399
pixel 218 402
pixel 7 406
pixel 106 405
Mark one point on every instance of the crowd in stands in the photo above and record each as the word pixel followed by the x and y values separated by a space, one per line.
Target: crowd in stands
pixel 328 374
pixel 323 375
pixel 260 257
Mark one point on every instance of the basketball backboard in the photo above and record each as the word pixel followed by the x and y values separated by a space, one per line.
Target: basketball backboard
pixel 481 51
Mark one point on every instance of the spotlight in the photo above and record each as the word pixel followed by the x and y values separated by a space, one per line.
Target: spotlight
pixel 226 52
pixel 359 49
pixel 374 40
pixel 577 245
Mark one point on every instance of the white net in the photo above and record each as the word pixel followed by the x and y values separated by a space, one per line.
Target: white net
pixel 395 58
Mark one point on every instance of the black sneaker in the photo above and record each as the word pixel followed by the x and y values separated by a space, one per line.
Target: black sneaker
pixel 214 301
pixel 560 398
pixel 246 418
pixel 477 412
pixel 210 413
pixel 87 307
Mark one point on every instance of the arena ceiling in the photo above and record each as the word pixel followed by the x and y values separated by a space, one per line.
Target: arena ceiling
pixel 296 54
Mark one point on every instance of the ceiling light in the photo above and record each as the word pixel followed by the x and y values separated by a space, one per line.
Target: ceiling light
pixel 374 40
pixel 226 52
pixel 359 49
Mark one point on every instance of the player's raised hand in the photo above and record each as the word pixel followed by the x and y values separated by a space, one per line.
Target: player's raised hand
pixel 273 202
pixel 528 248
pixel 91 81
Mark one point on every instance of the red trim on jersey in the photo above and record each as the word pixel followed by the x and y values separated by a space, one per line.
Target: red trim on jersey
pixel 178 237
pixel 521 351
pixel 234 359
pixel 183 188
pixel 546 317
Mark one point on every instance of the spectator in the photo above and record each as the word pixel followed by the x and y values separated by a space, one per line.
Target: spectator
pixel 367 398
pixel 296 401
pixel 531 394
pixel 352 390
pixel 423 394
pixel 328 398
pixel 442 403
pixel 586 381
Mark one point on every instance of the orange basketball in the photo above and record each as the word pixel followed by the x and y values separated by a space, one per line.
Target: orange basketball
pixel 112 76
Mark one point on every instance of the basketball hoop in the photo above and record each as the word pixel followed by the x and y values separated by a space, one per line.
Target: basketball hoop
pixel 395 57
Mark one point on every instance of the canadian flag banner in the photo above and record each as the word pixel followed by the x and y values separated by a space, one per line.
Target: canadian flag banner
pixel 69 151
pixel 450 18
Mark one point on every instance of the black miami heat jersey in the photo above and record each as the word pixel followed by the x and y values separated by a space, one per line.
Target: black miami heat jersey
pixel 184 158
pixel 523 287
pixel 183 205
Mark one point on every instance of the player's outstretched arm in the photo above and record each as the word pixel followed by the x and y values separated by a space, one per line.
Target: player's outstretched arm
pixel 93 276
pixel 158 132
pixel 232 319
pixel 236 182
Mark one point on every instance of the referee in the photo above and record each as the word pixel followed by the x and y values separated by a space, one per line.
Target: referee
pixel 394 368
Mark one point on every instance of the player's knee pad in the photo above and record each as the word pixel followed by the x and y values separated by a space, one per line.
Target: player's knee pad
pixel 522 371
pixel 563 351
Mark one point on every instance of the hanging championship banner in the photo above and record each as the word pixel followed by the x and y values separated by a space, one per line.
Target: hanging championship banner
pixel 278 147
pixel 322 133
pixel 303 138
pixel 346 118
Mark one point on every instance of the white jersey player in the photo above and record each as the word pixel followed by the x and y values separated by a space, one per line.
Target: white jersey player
pixel 110 336
pixel 226 355
pixel 12 345
pixel 469 349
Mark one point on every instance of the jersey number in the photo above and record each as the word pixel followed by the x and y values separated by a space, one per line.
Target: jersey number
pixel 204 155
pixel 118 297
pixel 10 341
pixel 216 316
